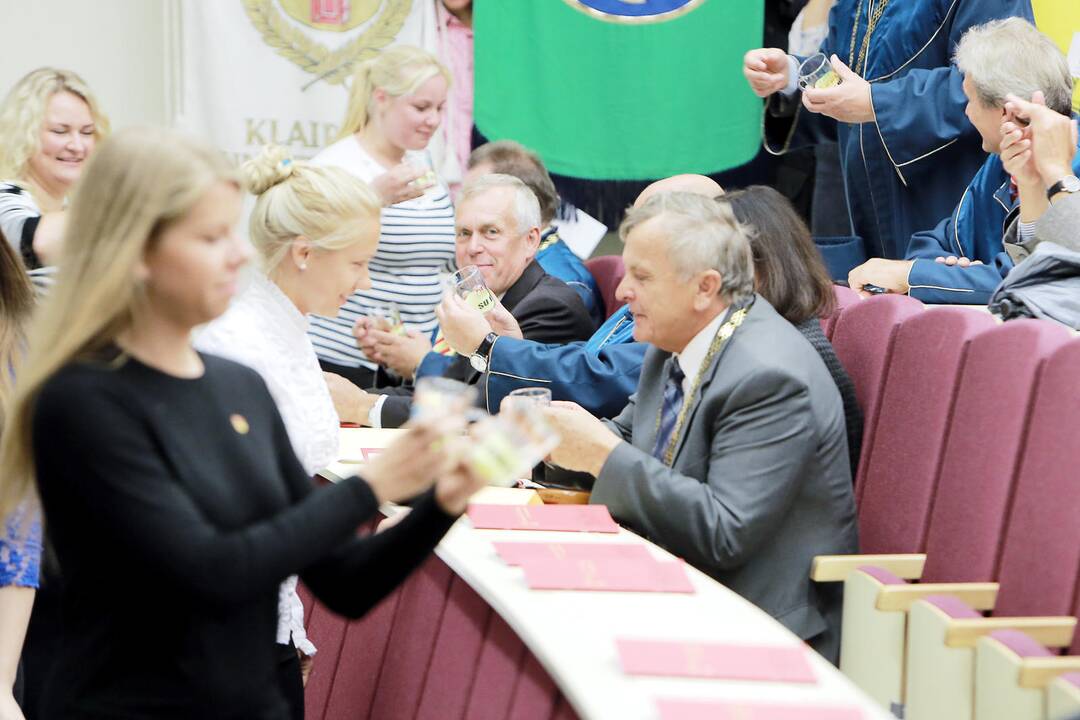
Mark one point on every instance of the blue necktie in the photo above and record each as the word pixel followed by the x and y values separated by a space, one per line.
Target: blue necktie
pixel 669 412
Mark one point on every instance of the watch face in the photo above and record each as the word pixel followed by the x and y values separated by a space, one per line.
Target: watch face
pixel 1071 184
pixel 478 362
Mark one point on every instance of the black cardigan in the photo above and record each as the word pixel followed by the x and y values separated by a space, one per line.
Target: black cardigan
pixel 176 507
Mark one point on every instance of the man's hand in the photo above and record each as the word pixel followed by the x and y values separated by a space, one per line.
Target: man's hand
pixel 396 184
pixel 463 326
pixel 585 442
pixel 848 102
pixel 502 322
pixel 400 353
pixel 351 403
pixel 766 70
pixel 952 260
pixel 889 274
pixel 1053 138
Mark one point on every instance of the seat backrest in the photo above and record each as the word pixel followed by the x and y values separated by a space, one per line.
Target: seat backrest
pixel 983 449
pixel 863 340
pixel 608 271
pixel 845 298
pixel 903 465
pixel 1041 553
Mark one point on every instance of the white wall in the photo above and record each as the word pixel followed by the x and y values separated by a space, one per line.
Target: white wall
pixel 118 46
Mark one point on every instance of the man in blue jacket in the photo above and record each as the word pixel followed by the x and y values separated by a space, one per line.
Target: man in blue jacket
pixel 599 374
pixel 964 257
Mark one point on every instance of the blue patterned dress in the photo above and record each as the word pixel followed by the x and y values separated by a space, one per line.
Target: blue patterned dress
pixel 20 548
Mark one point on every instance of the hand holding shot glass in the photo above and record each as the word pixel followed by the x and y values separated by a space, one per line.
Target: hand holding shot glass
pixel 468 284
pixel 817 72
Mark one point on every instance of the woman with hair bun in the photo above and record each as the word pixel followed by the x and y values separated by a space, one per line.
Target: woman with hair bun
pixel 395 106
pixel 314 229
pixel 49 125
pixel 173 496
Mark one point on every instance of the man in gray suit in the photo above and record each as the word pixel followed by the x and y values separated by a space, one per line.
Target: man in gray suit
pixel 732 454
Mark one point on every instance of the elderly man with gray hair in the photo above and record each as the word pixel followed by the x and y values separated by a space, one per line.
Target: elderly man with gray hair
pixel 497 228
pixel 966 256
pixel 732 453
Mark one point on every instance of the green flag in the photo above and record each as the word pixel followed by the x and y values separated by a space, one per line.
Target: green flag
pixel 620 89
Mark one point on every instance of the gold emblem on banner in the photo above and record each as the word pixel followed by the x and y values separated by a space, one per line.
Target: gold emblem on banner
pixel 276 21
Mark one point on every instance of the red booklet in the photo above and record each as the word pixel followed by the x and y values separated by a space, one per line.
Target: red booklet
pixel 579 518
pixel 613 575
pixel 727 710
pixel 715 660
pixel 519 553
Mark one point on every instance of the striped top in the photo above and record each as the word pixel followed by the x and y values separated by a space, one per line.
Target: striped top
pixel 19 218
pixel 416 249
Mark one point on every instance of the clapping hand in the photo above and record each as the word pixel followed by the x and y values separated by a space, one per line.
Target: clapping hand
pixel 398 184
pixel 766 69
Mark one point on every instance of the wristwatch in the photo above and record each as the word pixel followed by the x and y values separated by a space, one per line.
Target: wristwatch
pixel 1068 184
pixel 479 359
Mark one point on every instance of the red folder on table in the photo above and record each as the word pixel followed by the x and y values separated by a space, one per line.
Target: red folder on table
pixel 609 575
pixel 715 660
pixel 571 518
pixel 519 553
pixel 729 710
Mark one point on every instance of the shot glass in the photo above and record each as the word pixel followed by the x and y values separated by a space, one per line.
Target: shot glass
pixel 536 395
pixel 468 283
pixel 422 163
pixel 388 318
pixel 817 72
pixel 503 451
pixel 437 398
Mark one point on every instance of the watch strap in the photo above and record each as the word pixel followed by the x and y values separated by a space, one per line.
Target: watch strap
pixel 1069 184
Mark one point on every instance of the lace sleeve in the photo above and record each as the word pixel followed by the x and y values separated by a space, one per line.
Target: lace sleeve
pixel 20 548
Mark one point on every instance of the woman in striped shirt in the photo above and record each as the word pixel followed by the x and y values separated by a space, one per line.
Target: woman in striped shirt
pixel 49 124
pixel 396 106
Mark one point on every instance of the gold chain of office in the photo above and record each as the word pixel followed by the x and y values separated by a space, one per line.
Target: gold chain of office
pixel 719 340
pixel 873 16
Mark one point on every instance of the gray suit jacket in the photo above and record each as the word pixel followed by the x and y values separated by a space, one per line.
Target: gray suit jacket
pixel 1060 224
pixel 760 482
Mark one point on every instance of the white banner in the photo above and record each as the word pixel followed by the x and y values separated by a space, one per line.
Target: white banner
pixel 256 72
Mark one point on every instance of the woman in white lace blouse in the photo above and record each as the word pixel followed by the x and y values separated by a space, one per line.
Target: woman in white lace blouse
pixel 314 230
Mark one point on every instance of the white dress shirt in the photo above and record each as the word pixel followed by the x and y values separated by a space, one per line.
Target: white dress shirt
pixel 693 355
pixel 264 330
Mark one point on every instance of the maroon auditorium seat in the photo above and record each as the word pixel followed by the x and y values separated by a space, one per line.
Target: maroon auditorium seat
pixel 903 464
pixel 608 272
pixel 845 298
pixel 982 455
pixel 863 339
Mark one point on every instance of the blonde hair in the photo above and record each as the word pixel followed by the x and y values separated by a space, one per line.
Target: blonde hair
pixel 16 304
pixel 137 184
pixel 398 71
pixel 296 198
pixel 22 114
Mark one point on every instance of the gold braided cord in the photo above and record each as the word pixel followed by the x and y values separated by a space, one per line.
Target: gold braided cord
pixel 333 66
pixel 858 66
pixel 719 340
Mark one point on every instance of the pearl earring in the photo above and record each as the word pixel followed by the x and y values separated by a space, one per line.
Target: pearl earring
pixel 303 266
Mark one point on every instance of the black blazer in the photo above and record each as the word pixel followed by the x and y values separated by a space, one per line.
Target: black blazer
pixel 548 311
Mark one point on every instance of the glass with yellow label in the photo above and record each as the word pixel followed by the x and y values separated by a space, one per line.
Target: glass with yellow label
pixel 468 283
pixel 817 72
pixel 388 319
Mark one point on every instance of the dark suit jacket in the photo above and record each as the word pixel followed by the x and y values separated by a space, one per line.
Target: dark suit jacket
pixel 548 311
pixel 760 482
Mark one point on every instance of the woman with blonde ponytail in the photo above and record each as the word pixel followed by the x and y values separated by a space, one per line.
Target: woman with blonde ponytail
pixel 173 497
pixel 314 229
pixel 396 104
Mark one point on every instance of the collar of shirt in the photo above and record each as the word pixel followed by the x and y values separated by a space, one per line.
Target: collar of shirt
pixel 693 355
pixel 268 293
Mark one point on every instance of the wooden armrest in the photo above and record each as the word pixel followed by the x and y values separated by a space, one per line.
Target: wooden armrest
pixel 980 596
pixel 1048 631
pixel 551 496
pixel 836 568
pixel 1039 672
